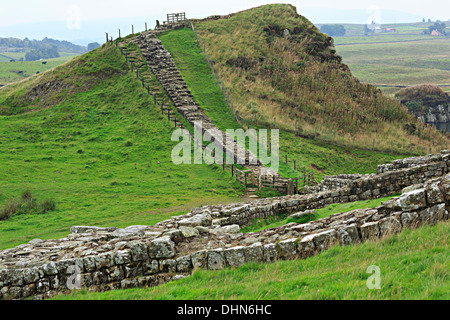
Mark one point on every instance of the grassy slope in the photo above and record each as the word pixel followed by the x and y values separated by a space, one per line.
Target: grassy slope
pixel 285 82
pixel 8 70
pixel 413 265
pixel 82 150
pixel 311 154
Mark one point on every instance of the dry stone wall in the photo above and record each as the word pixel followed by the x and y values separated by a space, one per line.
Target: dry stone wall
pixel 209 237
pixel 349 180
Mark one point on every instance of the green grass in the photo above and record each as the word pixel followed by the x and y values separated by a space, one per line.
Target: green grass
pixel 9 70
pixel 189 58
pixel 278 221
pixel 95 152
pixel 413 266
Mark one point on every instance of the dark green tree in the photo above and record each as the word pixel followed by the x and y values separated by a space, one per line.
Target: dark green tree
pixel 440 27
pixel 92 46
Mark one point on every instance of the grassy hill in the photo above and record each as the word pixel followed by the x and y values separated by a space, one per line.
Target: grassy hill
pixel 298 81
pixel 413 265
pixel 87 135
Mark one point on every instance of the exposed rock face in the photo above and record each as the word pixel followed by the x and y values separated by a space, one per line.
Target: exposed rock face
pixel 438 114
pixel 107 259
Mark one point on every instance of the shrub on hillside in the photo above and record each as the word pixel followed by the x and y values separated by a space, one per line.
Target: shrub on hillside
pixel 26 204
pixel 422 96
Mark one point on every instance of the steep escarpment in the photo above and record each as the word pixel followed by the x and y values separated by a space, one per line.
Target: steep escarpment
pixel 281 71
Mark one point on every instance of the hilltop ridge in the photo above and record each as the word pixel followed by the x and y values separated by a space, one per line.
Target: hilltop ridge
pixel 282 71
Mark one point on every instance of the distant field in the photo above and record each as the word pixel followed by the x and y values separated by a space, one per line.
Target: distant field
pixel 403 63
pixel 403 58
pixel 9 70
pixel 415 28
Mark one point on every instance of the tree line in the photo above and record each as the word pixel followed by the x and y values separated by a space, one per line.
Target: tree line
pixel 46 48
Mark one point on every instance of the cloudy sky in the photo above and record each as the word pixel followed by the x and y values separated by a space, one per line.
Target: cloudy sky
pixel 81 14
pixel 29 11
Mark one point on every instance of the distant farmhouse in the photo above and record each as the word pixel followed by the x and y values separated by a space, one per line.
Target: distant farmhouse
pixel 436 33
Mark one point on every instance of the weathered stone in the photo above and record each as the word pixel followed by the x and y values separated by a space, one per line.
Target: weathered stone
pixel 69 266
pixel 168 265
pixel 254 253
pixel 84 229
pixel 104 260
pixel 35 241
pixel 433 214
pixel 202 230
pixel 151 267
pixel 216 259
pixel 370 231
pixel 89 263
pixel 234 228
pixel 31 275
pixel 434 194
pixel 204 220
pixel 200 259
pixel 15 293
pixel 134 269
pixel 412 187
pixel 287 249
pixel 184 264
pixel 189 232
pixel 323 240
pixel 174 234
pixel 348 235
pixel 139 251
pixel 306 247
pixel 389 225
pixel 235 257
pixel 116 273
pixel 50 269
pixel 162 248
pixel 248 241
pixel 270 253
pixel 303 214
pixel 410 219
pixel 123 257
pixel 413 200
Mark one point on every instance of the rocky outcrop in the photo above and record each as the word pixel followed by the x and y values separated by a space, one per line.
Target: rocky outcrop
pixel 437 114
pixel 209 237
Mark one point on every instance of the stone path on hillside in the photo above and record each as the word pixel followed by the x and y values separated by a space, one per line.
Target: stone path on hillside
pixel 166 72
